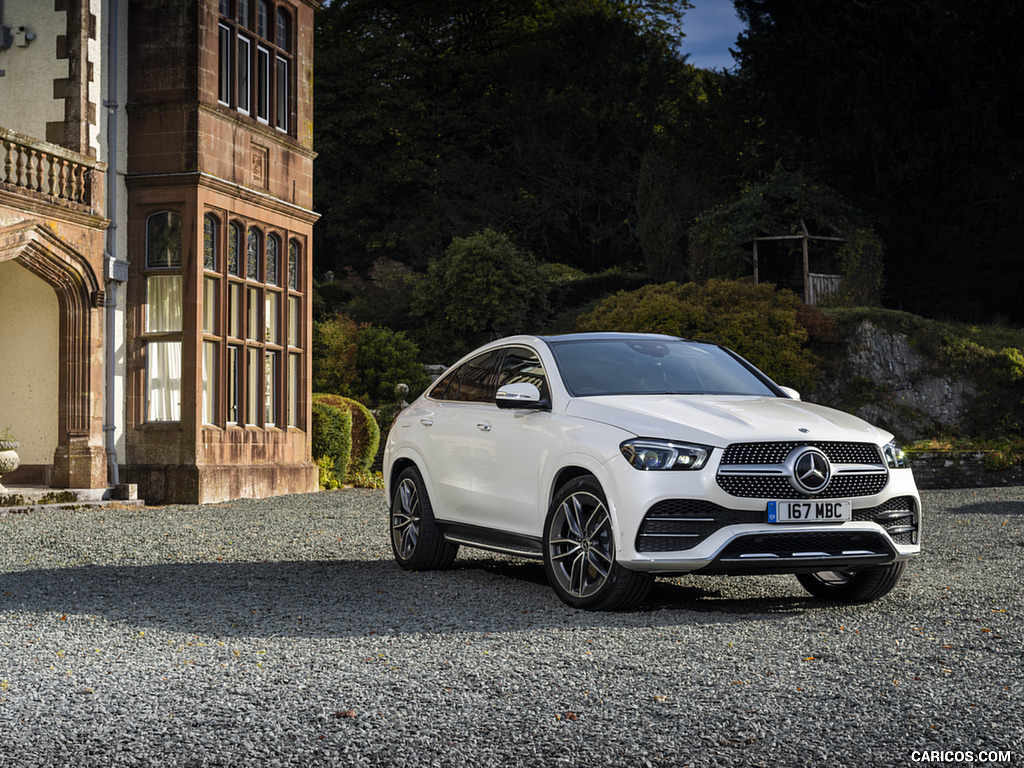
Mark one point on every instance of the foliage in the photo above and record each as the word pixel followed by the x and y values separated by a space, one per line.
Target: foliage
pixel 759 322
pixel 783 204
pixel 364 433
pixel 327 476
pixel 384 359
pixel 334 355
pixel 359 479
pixel 383 299
pixel 662 198
pixel 364 362
pixel 331 441
pixel 7 436
pixel 1000 453
pixel 911 107
pixel 860 260
pixel 440 118
pixel 483 287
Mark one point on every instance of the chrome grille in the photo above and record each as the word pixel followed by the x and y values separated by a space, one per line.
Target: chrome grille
pixel 757 470
pixel 775 453
pixel 779 487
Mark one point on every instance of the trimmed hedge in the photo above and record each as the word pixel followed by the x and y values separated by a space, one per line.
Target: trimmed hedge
pixel 362 435
pixel 332 442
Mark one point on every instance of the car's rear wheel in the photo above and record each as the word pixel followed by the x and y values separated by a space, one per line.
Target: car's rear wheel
pixel 416 541
pixel 853 586
pixel 579 552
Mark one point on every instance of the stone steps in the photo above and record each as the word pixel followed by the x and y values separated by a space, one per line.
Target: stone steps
pixel 16 499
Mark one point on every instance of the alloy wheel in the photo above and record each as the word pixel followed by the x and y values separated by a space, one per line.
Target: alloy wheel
pixel 580 544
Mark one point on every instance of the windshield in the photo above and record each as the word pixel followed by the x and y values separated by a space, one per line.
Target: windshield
pixel 653 367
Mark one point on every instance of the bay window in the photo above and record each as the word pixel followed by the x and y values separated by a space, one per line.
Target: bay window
pixel 252 353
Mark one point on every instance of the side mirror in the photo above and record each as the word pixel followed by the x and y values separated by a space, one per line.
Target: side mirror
pixel 521 395
pixel 790 392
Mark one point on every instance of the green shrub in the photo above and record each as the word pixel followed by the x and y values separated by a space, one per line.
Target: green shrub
pixel 482 287
pixel 331 440
pixel 327 476
pixel 384 359
pixel 364 362
pixel 757 321
pixel 364 433
pixel 334 355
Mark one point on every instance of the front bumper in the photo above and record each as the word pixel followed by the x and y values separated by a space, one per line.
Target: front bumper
pixel 731 534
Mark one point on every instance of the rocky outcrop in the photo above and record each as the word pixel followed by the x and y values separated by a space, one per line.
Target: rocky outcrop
pixel 888 383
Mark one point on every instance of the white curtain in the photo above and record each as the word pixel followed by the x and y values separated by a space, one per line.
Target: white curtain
pixel 163 381
pixel 294 368
pixel 270 388
pixel 209 380
pixel 163 303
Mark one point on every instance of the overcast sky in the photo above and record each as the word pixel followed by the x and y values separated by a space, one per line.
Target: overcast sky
pixel 711 27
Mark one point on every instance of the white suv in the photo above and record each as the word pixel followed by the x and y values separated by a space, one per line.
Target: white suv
pixel 617 457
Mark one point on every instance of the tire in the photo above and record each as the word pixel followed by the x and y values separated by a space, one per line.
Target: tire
pixel 416 540
pixel 579 552
pixel 855 586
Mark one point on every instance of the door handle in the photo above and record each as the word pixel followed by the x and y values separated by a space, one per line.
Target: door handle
pixel 427 422
pixel 484 427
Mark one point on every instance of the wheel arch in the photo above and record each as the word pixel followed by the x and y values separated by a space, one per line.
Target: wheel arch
pixel 565 475
pixel 398 466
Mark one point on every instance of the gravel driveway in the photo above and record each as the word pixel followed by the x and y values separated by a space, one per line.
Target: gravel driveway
pixel 279 632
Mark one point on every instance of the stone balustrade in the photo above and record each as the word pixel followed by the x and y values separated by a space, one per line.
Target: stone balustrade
pixel 43 171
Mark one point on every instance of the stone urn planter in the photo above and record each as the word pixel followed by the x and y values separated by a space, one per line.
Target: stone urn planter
pixel 9 460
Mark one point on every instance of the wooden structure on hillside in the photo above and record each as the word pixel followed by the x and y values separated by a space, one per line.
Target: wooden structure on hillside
pixel 816 285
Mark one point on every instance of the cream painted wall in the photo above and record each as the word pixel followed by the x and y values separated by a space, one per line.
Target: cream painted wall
pixel 29 362
pixel 26 89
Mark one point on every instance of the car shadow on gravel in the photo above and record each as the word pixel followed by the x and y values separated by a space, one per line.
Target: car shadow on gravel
pixel 704 594
pixel 992 508
pixel 354 598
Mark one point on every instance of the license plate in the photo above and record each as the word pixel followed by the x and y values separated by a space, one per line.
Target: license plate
pixel 809 511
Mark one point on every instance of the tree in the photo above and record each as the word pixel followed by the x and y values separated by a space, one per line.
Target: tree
pixel 912 109
pixel 783 204
pixel 482 288
pixel 441 118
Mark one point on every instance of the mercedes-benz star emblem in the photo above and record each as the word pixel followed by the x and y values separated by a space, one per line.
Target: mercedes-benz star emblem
pixel 811 471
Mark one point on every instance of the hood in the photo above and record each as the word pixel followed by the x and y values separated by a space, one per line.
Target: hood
pixel 720 420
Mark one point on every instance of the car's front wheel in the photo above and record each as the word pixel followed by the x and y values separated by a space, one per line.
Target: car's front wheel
pixel 416 541
pixel 579 552
pixel 853 586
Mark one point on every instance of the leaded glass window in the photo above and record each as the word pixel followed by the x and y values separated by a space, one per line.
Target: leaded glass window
pixel 163 240
pixel 293 265
pixel 234 249
pixel 273 246
pixel 252 251
pixel 210 242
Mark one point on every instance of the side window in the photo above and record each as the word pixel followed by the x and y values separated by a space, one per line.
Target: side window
pixel 472 382
pixel 523 365
pixel 478 378
pixel 439 391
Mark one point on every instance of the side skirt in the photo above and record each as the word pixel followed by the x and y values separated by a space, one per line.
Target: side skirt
pixel 497 541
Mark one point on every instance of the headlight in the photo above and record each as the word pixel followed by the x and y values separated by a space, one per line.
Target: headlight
pixel 894 456
pixel 644 453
